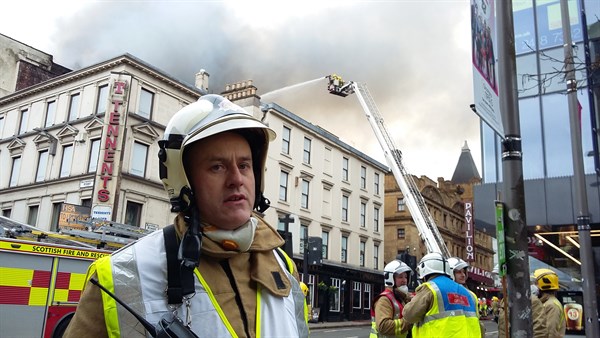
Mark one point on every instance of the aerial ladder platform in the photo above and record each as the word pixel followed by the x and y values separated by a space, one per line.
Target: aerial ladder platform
pixel 426 226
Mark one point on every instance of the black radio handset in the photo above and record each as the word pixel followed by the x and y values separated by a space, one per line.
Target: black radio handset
pixel 168 327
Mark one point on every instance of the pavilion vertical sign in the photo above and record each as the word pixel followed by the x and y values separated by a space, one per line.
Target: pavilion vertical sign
pixel 111 147
pixel 470 244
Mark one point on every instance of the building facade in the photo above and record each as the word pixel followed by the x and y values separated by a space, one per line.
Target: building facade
pixel 88 138
pixel 550 202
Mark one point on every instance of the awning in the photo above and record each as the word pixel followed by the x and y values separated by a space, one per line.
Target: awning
pixel 481 276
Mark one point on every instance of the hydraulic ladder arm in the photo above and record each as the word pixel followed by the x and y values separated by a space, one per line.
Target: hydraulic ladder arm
pixel 414 200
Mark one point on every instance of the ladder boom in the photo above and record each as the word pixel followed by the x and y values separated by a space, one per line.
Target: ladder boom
pixel 414 200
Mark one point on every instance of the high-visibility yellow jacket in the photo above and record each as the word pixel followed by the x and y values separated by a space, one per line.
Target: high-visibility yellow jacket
pixel 443 308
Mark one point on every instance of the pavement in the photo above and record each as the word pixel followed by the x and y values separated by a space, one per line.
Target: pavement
pixel 329 325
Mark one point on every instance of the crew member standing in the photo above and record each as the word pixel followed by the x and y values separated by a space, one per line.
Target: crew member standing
pixel 386 313
pixel 441 307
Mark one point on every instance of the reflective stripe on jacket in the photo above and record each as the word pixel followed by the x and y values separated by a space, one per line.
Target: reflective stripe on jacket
pixel 452 314
pixel 137 274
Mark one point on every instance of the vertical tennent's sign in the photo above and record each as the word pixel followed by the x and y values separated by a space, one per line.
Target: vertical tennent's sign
pixel 470 245
pixel 110 151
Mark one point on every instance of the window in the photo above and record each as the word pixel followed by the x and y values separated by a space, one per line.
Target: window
pixel 375 256
pixel 327 161
pixel 67 159
pixel 401 233
pixel 344 208
pixel 1 125
pixel 376 218
pixel 362 253
pixel 15 171
pixel 303 236
pixel 50 113
pixel 285 140
pixel 86 202
pixel 345 163
pixel 367 296
pixel 326 209
pixel 363 214
pixel 133 213
pixel 32 215
pixel 306 157
pixel 363 177
pixel 344 257
pixel 304 200
pixel 138 159
pixel 40 174
pixel 557 129
pixel 325 242
pixel 401 203
pixel 56 208
pixel 102 100
pixel 283 185
pixel 356 295
pixel 94 154
pixel 23 121
pixel 335 297
pixel 146 102
pixel 6 212
pixel 73 107
pixel 376 183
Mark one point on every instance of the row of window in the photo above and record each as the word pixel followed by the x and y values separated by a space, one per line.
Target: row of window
pixel 306 159
pixel 304 201
pixel 145 107
pixel 137 163
pixel 343 254
pixel 133 213
pixel 360 296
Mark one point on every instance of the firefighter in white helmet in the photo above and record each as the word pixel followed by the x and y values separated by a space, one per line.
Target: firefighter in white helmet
pixel 441 307
pixel 212 164
pixel 386 312
pixel 459 267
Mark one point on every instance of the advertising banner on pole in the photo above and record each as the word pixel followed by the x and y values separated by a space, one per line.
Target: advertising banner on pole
pixel 483 55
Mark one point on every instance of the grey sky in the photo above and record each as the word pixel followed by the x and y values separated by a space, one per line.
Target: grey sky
pixel 414 57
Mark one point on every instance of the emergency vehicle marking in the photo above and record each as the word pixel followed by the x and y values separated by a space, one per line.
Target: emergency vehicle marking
pixel 30 287
pixel 51 250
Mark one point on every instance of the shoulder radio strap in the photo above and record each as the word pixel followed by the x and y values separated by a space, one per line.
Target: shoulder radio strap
pixel 180 279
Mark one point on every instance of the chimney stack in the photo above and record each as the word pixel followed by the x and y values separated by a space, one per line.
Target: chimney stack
pixel 202 80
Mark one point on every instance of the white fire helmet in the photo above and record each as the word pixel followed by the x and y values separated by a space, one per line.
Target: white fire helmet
pixel 433 262
pixel 210 115
pixel 456 264
pixel 394 267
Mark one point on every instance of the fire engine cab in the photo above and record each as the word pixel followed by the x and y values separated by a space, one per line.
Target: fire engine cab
pixel 42 275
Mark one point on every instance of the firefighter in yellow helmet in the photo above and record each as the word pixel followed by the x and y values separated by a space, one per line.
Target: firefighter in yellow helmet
pixel 547 283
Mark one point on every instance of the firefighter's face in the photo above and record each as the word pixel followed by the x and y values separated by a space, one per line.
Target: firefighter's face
pixel 400 279
pixel 460 276
pixel 221 175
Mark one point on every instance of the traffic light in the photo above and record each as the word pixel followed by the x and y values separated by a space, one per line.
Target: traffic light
pixel 315 250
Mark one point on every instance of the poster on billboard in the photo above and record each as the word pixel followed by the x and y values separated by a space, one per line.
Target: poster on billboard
pixel 572 302
pixel 484 59
pixel 73 216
